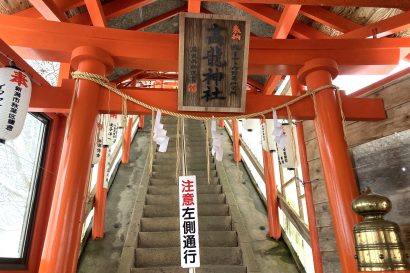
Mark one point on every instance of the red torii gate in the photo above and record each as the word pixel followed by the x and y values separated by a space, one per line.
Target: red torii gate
pixel 97 50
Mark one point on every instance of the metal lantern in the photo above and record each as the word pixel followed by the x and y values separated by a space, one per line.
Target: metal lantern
pixel 15 93
pixel 98 144
pixel 377 241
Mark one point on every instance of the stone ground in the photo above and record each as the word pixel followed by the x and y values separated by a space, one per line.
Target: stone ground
pixel 270 256
pixel 103 255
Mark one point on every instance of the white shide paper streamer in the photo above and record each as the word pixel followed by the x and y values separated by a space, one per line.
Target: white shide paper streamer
pixel 160 135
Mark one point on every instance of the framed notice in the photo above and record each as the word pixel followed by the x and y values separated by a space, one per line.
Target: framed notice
pixel 213 62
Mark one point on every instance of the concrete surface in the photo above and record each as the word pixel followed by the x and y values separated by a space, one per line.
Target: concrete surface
pixel 249 217
pixel 104 255
pixel 269 255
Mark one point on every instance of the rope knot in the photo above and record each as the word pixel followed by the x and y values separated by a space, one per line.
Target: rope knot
pixel 89 76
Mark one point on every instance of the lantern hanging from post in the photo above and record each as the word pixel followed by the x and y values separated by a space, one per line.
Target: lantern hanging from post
pixel 377 241
pixel 286 151
pixel 15 93
pixel 98 144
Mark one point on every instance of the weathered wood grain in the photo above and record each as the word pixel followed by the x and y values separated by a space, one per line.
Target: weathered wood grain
pixel 212 74
pixel 376 164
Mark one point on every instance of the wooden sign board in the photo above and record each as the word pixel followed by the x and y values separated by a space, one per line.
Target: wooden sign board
pixel 213 62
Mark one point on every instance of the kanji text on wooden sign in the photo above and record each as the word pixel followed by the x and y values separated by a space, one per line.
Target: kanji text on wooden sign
pixel 213 62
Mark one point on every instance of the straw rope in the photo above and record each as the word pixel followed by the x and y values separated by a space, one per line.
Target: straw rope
pixel 151 144
pixel 208 159
pixel 178 151
pixel 103 81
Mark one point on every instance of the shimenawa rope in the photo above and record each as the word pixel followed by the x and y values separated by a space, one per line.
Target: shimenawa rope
pixel 105 83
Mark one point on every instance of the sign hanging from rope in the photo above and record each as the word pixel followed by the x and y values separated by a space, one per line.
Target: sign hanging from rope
pixel 98 146
pixel 213 62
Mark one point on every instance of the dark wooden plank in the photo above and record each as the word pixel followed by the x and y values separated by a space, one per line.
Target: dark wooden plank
pixel 327 240
pixel 330 261
pixel 212 64
pixel 398 119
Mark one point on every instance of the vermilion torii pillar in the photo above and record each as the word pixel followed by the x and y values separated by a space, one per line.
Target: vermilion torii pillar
pixel 310 205
pixel 236 141
pixel 141 122
pixel 127 142
pixel 340 181
pixel 272 202
pixel 61 247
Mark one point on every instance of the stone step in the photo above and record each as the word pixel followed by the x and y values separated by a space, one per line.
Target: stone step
pixel 161 166
pixel 206 223
pixel 202 269
pixel 199 166
pixel 170 179
pixel 169 199
pixel 157 257
pixel 171 239
pixel 173 189
pixel 172 210
pixel 165 155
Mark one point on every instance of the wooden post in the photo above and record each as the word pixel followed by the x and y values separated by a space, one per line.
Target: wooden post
pixel 272 202
pixel 61 247
pixel 141 122
pixel 340 181
pixel 63 73
pixel 100 199
pixel 236 141
pixel 310 205
pixel 127 142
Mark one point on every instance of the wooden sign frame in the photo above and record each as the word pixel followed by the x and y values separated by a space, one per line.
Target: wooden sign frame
pixel 236 99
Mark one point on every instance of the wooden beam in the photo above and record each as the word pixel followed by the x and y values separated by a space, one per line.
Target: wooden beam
pixel 286 21
pixel 160 18
pixel 58 100
pixel 194 6
pixel 272 16
pixel 46 40
pixel 128 76
pixel 63 5
pixel 401 4
pixel 112 10
pixel 8 53
pixel 380 84
pixel 30 12
pixel 96 13
pixel 255 84
pixel 49 10
pixel 271 84
pixel 329 18
pixel 382 28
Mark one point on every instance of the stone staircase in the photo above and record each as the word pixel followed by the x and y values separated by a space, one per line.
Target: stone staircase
pixel 158 247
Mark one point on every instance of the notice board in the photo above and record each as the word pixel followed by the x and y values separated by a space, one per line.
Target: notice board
pixel 213 62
